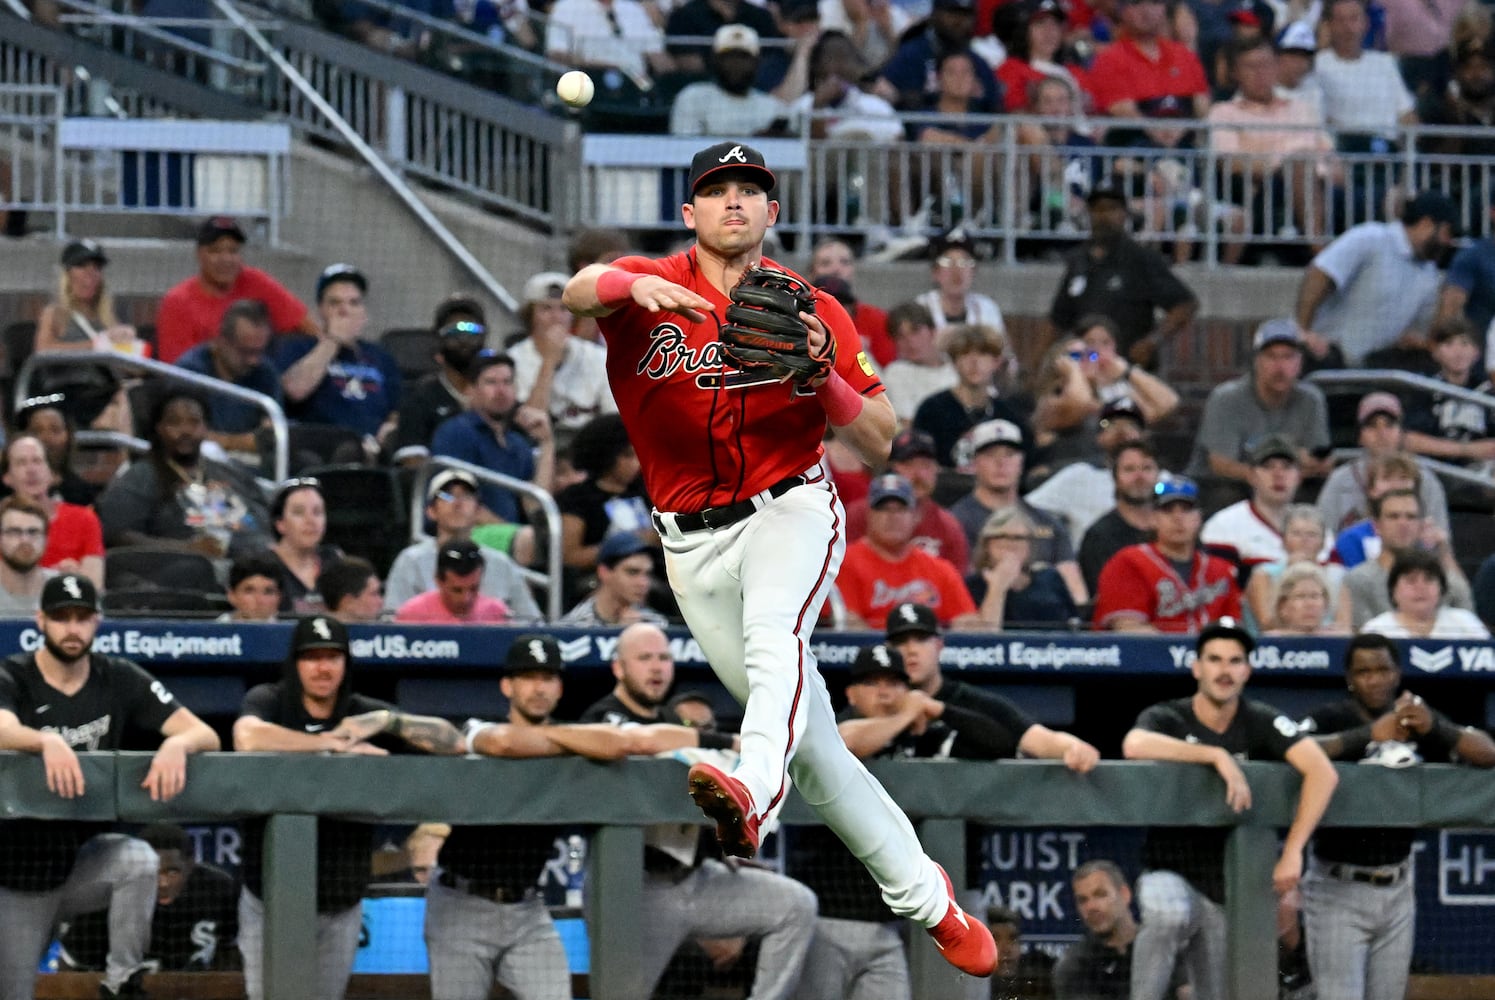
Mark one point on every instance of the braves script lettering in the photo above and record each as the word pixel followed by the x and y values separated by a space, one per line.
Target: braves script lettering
pixel 1171 601
pixel 668 354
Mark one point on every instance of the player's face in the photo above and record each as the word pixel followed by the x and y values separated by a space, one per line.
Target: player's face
pixel 304 520
pixel 493 393
pixel 1399 523
pixel 644 666
pixel 23 537
pixel 1101 903
pixel 1380 434
pixel 891 524
pixel 321 672
pixel 255 599
pixel 459 591
pixel 171 877
pixel 998 467
pixel 1275 481
pixel 1221 668
pixel 1373 679
pixel 220 262
pixel 181 429
pixel 1417 594
pixel 834 260
pixel 921 655
pixel 27 471
pixel 1136 474
pixel 1177 525
pixel 533 695
pixel 730 215
pixel 877 697
pixel 68 633
pixel 631 578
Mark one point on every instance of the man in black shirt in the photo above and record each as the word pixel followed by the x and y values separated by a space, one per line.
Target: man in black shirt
pixel 1359 903
pixel 1182 892
pixel 313 709
pixel 1134 471
pixel 54 702
pixel 197 913
pixel 914 631
pixel 460 334
pixel 687 895
pixel 1114 275
pixel 1099 965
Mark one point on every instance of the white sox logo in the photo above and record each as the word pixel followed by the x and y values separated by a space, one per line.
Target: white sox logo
pixel 735 153
pixel 537 651
pixel 70 584
pixel 669 355
pixel 319 626
pixel 880 654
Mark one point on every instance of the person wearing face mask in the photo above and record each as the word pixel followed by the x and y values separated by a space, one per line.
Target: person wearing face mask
pixel 461 330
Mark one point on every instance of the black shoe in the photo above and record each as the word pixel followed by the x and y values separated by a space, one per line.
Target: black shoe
pixel 130 989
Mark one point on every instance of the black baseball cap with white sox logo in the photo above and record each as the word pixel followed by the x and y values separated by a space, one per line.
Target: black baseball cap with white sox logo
pixel 735 156
pixel 320 632
pixel 534 651
pixel 872 662
pixel 69 590
pixel 909 618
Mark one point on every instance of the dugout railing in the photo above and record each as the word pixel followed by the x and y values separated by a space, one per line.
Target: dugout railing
pixel 943 796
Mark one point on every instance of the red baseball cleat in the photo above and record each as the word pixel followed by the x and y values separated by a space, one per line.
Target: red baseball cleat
pixel 963 942
pixel 724 799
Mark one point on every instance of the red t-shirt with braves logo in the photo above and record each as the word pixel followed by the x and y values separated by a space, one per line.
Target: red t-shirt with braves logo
pixel 1141 582
pixel 872 585
pixel 1163 88
pixel 705 433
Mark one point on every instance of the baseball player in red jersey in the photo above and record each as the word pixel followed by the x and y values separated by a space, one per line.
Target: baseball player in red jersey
pixel 752 528
pixel 1167 585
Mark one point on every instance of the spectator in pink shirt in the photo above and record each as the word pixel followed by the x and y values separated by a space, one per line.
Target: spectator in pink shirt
pixel 456 599
pixel 192 310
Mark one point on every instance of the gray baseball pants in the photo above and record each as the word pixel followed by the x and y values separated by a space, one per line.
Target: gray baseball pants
pixel 112 871
pixel 471 941
pixel 1178 921
pixel 337 946
pixel 717 901
pixel 1360 936
pixel 855 960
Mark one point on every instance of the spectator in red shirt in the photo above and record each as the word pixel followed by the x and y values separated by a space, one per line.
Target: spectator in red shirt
pixel 833 259
pixel 457 598
pixel 886 568
pixel 915 457
pixel 192 310
pixel 1036 51
pixel 75 540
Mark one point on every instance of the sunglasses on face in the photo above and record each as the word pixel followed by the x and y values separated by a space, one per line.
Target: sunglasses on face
pixel 1091 356
pixel 463 329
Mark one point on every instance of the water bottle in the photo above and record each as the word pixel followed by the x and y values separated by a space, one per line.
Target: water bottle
pixel 955 201
pixel 576 863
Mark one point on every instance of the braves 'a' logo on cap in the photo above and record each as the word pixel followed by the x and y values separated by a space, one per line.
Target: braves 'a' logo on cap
pixel 537 651
pixel 319 626
pixel 735 153
pixel 880 654
pixel 908 613
pixel 70 584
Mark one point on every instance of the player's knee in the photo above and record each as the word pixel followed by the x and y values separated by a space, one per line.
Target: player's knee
pixel 136 861
pixel 1163 903
pixel 802 906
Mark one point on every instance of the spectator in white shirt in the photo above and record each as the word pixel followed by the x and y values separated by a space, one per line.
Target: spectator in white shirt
pixel 1363 90
pixel 554 370
pixel 606 33
pixel 728 103
pixel 921 369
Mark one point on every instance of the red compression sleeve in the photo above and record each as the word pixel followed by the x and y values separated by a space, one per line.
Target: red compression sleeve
pixel 614 287
pixel 840 401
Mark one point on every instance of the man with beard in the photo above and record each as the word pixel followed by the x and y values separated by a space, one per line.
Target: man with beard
pixel 54 702
pixel 1117 277
pixel 688 892
pixel 313 709
pixel 23 538
pixel 1377 284
pixel 1134 472
pixel 178 498
pixel 1099 965
pixel 1358 899
pixel 191 312
pixel 499 434
pixel 1181 893
pixel 461 331
pixel 728 103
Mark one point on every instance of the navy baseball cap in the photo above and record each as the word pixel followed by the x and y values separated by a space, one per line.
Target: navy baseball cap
pixel 615 548
pixel 910 618
pixel 880 660
pixel 1224 628
pixel 534 651
pixel 334 273
pixel 890 486
pixel 725 156
pixel 1175 489
pixel 69 590
pixel 913 444
pixel 320 632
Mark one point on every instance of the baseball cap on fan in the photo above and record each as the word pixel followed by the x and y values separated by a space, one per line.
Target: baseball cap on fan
pixel 1298 37
pixel 216 226
pixel 545 286
pixel 442 481
pixel 459 557
pixel 69 591
pixel 1376 403
pixel 534 651
pixel 734 156
pixel 735 38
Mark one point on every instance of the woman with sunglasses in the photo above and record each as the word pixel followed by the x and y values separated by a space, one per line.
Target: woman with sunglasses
pixel 298 516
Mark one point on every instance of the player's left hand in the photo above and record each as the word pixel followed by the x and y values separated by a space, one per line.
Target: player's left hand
pixel 1413 713
pixel 1081 756
pixel 1287 872
pixel 168 773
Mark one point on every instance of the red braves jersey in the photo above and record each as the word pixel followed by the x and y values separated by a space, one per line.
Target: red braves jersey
pixel 1139 581
pixel 707 434
pixel 872 585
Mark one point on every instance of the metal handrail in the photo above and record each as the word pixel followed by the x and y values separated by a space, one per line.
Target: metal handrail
pixel 552 578
pixel 278 425
pixel 376 162
pixel 152 28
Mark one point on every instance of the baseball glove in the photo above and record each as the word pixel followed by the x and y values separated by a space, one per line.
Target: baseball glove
pixel 764 331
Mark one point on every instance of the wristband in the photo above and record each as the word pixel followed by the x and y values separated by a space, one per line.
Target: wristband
pixel 842 403
pixel 714 741
pixel 1449 733
pixel 615 287
pixel 1353 742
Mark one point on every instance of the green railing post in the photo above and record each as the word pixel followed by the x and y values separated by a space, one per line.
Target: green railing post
pixel 931 977
pixel 290 886
pixel 615 888
pixel 1251 913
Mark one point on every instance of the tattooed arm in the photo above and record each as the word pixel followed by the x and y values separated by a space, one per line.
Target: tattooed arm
pixel 423 732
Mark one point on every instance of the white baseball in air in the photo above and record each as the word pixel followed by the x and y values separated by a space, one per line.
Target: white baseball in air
pixel 575 88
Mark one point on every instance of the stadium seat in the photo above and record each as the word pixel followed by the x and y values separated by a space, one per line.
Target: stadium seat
pixel 145 567
pixel 17 339
pixel 413 348
pixel 366 513
pixel 161 602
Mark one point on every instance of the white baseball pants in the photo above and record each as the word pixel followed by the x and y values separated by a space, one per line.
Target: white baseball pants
pixel 751 593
